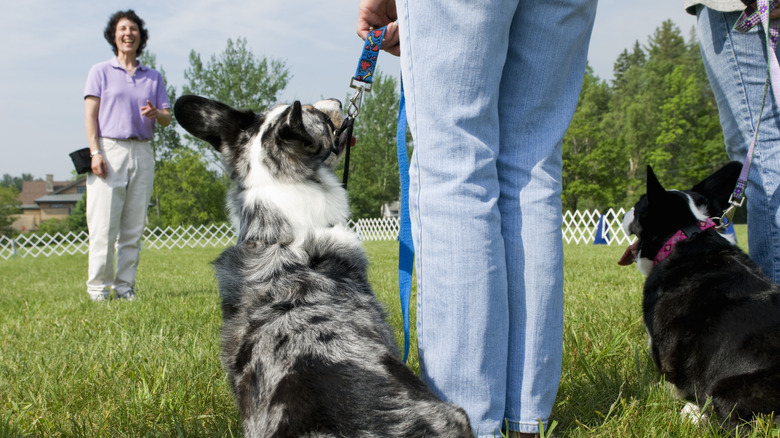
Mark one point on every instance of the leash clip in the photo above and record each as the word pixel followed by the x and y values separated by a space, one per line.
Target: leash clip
pixel 353 109
pixel 728 214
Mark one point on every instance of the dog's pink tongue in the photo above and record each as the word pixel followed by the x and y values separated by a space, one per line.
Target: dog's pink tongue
pixel 630 255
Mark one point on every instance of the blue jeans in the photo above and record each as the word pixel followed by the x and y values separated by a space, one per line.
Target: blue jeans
pixel 736 67
pixel 491 88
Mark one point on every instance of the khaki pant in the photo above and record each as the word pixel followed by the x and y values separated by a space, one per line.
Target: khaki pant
pixel 116 214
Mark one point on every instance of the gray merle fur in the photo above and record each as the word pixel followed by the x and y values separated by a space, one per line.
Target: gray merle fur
pixel 305 343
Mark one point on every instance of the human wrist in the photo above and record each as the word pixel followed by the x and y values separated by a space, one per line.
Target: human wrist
pixel 97 152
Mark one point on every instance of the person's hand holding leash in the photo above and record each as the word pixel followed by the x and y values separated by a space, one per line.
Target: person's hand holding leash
pixel 377 13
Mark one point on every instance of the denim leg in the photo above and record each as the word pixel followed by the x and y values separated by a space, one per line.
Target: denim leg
pixel 736 67
pixel 485 196
pixel 539 93
pixel 453 53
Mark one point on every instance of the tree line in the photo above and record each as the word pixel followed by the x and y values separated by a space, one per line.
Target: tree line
pixel 658 109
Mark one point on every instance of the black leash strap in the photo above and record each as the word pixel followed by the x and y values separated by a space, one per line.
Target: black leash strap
pixel 346 137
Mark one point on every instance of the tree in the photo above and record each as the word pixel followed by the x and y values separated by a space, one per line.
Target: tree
pixel 15 181
pixel 659 110
pixel 77 221
pixel 589 177
pixel 373 174
pixel 187 192
pixel 235 77
pixel 9 206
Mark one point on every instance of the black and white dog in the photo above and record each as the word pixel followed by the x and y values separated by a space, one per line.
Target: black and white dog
pixel 305 344
pixel 712 316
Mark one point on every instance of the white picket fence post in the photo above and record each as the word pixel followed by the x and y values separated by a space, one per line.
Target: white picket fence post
pixel 579 227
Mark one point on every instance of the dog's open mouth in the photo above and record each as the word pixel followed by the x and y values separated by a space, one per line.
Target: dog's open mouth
pixel 629 256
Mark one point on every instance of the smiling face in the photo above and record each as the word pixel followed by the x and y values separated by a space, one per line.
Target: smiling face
pixel 127 37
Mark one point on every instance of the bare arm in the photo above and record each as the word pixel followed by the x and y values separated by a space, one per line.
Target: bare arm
pixel 91 109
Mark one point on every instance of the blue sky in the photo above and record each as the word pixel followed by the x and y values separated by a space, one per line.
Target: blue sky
pixel 49 46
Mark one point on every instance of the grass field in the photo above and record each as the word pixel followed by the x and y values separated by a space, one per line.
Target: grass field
pixel 148 368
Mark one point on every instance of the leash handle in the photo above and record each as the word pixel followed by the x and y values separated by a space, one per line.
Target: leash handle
pixel 364 74
pixel 361 81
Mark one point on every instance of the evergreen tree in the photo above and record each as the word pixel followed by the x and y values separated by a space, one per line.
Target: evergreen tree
pixel 588 173
pixel 659 110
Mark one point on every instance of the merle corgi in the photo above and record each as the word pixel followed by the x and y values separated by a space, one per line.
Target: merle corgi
pixel 305 343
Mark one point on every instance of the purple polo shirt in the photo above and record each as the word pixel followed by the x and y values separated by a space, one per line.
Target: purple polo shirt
pixel 122 96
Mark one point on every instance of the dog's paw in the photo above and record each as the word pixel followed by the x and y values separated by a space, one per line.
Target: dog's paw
pixel 693 413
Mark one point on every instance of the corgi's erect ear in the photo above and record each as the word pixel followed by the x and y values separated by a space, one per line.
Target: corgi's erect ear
pixel 654 188
pixel 719 186
pixel 212 121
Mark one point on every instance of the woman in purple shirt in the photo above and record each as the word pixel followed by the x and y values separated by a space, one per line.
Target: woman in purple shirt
pixel 123 100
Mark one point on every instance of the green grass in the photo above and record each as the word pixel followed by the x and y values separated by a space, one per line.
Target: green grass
pixel 71 367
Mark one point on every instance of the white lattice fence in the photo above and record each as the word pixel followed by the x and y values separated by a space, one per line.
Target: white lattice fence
pixel 189 236
pixel 376 229
pixel 579 227
pixel 582 227
pixel 33 245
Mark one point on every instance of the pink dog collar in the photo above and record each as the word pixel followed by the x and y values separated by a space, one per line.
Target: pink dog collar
pixel 679 236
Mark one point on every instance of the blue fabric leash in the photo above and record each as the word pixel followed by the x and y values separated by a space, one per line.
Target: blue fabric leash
pixel 363 81
pixel 405 243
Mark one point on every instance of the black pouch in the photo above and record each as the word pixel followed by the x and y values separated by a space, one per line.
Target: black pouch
pixel 81 160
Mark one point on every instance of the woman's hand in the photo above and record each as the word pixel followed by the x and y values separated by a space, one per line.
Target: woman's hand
pixel 163 117
pixel 99 167
pixel 378 13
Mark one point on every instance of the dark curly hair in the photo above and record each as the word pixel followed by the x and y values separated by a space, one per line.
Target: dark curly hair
pixel 110 32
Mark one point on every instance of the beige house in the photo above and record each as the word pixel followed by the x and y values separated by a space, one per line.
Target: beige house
pixel 42 200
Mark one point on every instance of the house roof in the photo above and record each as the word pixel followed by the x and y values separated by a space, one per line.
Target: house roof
pixel 67 185
pixel 32 191
pixel 66 198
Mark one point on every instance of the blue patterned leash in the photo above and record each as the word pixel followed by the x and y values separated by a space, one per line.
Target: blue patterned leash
pixel 363 81
pixel 750 18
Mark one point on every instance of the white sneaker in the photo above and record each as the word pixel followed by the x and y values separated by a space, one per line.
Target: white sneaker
pixel 98 296
pixel 129 295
